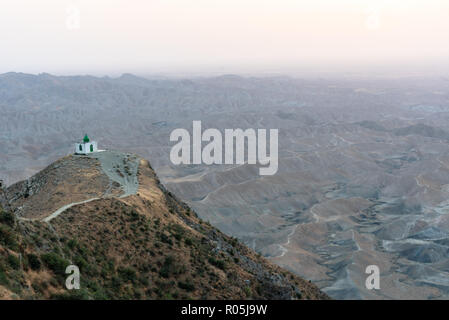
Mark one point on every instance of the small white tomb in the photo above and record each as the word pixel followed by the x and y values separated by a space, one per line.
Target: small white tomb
pixel 86 146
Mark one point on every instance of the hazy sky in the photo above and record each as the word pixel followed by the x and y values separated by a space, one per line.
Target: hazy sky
pixel 223 36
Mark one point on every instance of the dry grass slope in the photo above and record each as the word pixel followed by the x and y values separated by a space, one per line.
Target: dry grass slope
pixel 145 246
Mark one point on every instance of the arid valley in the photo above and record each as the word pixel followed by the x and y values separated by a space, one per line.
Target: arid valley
pixel 363 173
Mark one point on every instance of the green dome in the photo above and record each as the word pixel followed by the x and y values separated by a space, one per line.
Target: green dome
pixel 86 138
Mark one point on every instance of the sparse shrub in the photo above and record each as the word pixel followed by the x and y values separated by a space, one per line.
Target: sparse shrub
pixel 187 285
pixel 100 295
pixel 171 268
pixel 144 280
pixel 177 231
pixel 188 241
pixel 138 294
pixel 218 263
pixel 116 282
pixel 168 296
pixel 7 217
pixel 166 267
pixel 14 262
pixel 3 279
pixel 72 243
pixel 7 237
pixel 166 239
pixel 178 236
pixel 259 289
pixel 134 215
pixel 84 265
pixel 234 242
pixel 39 287
pixel 56 263
pixel 127 274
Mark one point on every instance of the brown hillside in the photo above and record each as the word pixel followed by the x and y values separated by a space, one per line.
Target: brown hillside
pixel 147 245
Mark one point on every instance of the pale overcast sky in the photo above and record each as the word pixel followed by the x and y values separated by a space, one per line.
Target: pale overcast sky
pixel 223 36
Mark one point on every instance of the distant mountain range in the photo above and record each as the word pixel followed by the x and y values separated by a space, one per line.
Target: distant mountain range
pixel 363 164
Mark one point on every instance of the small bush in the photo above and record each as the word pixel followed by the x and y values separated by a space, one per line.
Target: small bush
pixel 7 218
pixel 171 268
pixel 166 267
pixel 127 274
pixel 56 263
pixel 72 244
pixel 3 279
pixel 144 280
pixel 39 287
pixel 81 263
pixel 248 292
pixel 116 283
pixel 14 262
pixel 188 286
pixel 166 239
pixel 177 231
pixel 218 263
pixel 7 237
pixel 134 216
pixel 34 261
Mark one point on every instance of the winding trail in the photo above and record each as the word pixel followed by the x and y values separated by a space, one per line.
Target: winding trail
pixel 282 247
pixel 64 208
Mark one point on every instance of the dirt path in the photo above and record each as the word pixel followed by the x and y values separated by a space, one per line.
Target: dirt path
pixel 119 167
pixel 64 208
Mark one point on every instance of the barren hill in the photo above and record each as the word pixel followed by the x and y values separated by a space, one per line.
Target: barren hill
pixel 108 214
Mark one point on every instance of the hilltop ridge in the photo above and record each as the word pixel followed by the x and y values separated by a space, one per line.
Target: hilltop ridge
pixel 109 214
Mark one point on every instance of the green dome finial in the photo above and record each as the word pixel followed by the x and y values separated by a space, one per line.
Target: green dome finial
pixel 86 139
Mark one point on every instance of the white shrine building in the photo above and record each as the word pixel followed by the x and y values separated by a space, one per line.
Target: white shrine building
pixel 86 146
